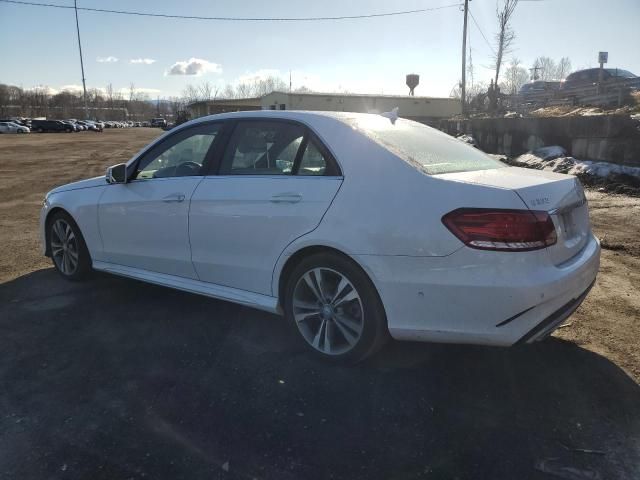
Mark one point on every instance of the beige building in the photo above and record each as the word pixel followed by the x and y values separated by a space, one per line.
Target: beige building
pixel 422 109
pixel 212 107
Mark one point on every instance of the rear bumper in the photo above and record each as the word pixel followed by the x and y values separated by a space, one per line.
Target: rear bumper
pixel 549 324
pixel 471 296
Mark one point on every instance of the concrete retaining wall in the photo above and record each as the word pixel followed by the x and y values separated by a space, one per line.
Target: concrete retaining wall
pixel 610 138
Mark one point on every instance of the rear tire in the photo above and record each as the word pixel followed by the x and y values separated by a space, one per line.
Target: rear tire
pixel 68 249
pixel 335 309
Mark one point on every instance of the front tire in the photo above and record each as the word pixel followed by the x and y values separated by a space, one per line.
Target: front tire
pixel 69 252
pixel 335 308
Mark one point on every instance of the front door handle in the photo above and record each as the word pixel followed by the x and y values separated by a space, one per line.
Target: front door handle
pixel 286 198
pixel 175 198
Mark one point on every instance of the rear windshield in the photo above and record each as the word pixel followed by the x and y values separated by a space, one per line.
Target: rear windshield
pixel 436 152
pixel 616 72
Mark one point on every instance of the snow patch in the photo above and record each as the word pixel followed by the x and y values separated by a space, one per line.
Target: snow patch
pixel 467 139
pixel 555 158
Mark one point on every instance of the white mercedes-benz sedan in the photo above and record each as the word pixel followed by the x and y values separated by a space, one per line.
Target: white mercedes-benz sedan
pixel 353 226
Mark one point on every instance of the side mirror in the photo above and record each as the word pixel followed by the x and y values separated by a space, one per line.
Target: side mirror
pixel 117 173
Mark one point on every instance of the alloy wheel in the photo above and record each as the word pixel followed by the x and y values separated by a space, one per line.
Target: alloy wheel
pixel 64 247
pixel 328 311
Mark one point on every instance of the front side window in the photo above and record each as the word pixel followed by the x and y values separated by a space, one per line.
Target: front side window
pixel 262 148
pixel 181 158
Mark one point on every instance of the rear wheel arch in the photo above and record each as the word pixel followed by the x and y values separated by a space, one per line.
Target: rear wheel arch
pixel 306 252
pixel 365 339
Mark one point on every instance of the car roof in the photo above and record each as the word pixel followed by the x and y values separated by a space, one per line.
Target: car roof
pixel 309 117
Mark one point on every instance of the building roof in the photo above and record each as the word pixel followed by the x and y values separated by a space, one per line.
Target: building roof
pixel 361 95
pixel 228 101
pixel 244 101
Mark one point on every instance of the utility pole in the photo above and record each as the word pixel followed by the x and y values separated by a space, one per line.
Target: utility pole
pixel 84 84
pixel 464 57
pixel 534 72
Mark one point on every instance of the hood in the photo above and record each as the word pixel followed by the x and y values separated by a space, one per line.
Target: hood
pixel 88 183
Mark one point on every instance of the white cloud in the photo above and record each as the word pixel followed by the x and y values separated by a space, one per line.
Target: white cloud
pixel 146 61
pixel 71 88
pixel 108 59
pixel 44 89
pixel 194 66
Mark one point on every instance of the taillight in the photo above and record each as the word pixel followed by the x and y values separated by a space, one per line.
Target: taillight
pixel 501 229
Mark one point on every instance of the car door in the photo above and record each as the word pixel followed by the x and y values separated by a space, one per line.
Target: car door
pixel 144 222
pixel 274 183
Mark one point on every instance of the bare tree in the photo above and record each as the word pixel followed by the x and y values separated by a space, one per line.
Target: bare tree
pixel 205 91
pixel 564 68
pixel 110 94
pixel 190 94
pixel 132 92
pixel 544 68
pixel 228 92
pixel 176 104
pixel 514 77
pixel 243 90
pixel 505 35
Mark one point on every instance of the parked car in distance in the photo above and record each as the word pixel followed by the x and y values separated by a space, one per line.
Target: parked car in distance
pixel 590 76
pixel 539 86
pixel 11 127
pixel 75 126
pixel 89 125
pixel 353 226
pixel 42 126
pixel 158 122
pixel 24 122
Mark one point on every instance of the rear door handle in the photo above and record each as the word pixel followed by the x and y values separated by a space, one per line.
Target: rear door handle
pixel 286 198
pixel 175 198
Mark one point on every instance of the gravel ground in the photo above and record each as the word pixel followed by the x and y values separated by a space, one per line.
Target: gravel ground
pixel 113 378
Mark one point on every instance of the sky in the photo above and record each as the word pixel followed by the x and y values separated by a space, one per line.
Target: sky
pixel 162 56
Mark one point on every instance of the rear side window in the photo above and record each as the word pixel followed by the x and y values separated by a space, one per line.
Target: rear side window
pixel 313 161
pixel 262 148
pixel 434 151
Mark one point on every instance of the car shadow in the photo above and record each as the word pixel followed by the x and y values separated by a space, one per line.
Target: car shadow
pixel 114 378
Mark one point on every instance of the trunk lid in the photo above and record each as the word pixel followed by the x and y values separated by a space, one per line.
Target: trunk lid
pixel 560 195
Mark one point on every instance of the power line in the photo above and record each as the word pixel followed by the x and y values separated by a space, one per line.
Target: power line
pixel 237 19
pixel 481 32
